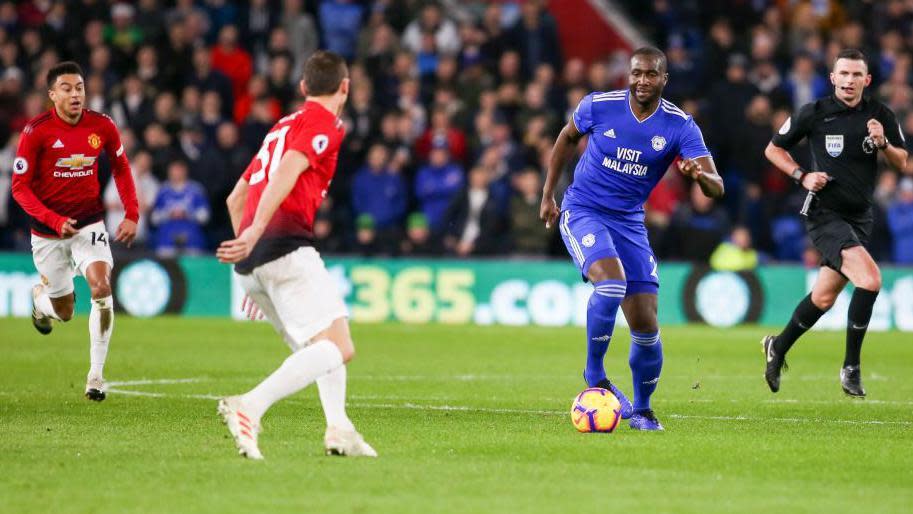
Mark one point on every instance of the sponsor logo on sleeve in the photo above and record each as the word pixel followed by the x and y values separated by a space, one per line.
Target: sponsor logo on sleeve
pixel 320 143
pixel 20 165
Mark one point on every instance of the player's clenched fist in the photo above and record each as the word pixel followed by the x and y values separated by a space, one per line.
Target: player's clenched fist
pixel 876 132
pixel 548 211
pixel 815 181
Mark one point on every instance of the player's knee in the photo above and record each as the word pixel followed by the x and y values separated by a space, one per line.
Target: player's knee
pixel 824 300
pixel 870 281
pixel 101 289
pixel 605 269
pixel 347 351
pixel 65 314
pixel 643 325
pixel 64 310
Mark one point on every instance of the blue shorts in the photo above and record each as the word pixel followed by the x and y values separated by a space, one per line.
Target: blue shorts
pixel 590 236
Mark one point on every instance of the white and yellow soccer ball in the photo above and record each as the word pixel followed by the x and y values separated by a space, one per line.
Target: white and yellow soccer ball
pixel 595 410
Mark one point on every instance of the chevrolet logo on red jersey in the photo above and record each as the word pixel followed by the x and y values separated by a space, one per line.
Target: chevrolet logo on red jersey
pixel 75 162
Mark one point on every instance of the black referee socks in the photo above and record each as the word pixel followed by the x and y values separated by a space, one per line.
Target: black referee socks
pixel 857 322
pixel 804 317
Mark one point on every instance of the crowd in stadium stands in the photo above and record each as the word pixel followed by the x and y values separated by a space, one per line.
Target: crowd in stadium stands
pixel 453 110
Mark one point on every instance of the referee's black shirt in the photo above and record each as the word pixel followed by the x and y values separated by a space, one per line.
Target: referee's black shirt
pixel 841 147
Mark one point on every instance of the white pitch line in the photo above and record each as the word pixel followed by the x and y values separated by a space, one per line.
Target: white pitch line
pixel 148 394
pixel 794 420
pixel 491 410
pixel 159 381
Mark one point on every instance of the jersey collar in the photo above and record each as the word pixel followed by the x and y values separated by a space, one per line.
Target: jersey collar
pixel 630 110
pixel 841 106
pixel 63 122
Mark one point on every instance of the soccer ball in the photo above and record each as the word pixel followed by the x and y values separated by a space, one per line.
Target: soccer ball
pixel 595 410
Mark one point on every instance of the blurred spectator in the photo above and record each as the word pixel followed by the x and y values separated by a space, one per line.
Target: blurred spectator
pixel 431 20
pixel 179 213
pixel 379 191
pixel 436 184
pixel 135 107
pixel 736 254
pixel 301 31
pixel 803 84
pixel 146 192
pixel 122 33
pixel 219 167
pixel 537 36
pixel 900 221
pixel 474 222
pixel 419 241
pixel 232 60
pixel 443 133
pixel 698 227
pixel 205 79
pixel 340 21
pixel 527 231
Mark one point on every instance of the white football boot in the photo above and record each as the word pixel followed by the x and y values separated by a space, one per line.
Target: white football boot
pixel 242 428
pixel 42 323
pixel 346 442
pixel 96 389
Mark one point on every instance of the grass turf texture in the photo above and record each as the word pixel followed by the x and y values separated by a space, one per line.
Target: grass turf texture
pixel 466 419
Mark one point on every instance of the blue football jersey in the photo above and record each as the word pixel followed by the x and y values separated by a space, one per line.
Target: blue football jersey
pixel 625 158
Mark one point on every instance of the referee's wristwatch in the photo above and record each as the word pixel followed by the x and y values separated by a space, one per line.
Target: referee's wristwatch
pixel 798 174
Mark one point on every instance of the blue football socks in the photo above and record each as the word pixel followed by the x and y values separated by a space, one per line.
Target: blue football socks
pixel 646 362
pixel 600 322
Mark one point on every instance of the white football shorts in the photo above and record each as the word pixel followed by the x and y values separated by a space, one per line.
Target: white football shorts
pixel 60 260
pixel 297 295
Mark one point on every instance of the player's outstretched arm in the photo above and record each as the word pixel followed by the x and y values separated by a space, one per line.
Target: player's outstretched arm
pixel 235 203
pixel 703 171
pixel 293 164
pixel 562 152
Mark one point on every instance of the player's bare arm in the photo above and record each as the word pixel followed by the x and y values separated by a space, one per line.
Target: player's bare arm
pixel 293 164
pixel 703 171
pixel 235 203
pixel 564 148
pixel 813 180
pixel 896 157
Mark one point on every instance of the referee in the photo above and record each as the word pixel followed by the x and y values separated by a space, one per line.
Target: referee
pixel 845 132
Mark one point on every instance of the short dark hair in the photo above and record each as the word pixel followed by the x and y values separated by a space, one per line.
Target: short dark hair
pixel 853 55
pixel 324 72
pixel 62 68
pixel 653 53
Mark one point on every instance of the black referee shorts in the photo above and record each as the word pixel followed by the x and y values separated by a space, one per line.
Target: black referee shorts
pixel 831 232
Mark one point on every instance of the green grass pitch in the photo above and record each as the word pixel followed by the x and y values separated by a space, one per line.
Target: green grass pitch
pixel 466 419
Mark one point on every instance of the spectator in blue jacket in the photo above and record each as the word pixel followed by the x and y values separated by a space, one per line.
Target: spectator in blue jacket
pixel 379 191
pixel 181 209
pixel 340 21
pixel 436 183
pixel 900 221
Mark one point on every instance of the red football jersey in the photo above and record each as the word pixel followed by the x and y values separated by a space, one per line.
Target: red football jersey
pixel 55 173
pixel 317 133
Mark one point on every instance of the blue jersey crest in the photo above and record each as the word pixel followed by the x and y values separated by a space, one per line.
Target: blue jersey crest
pixel 625 158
